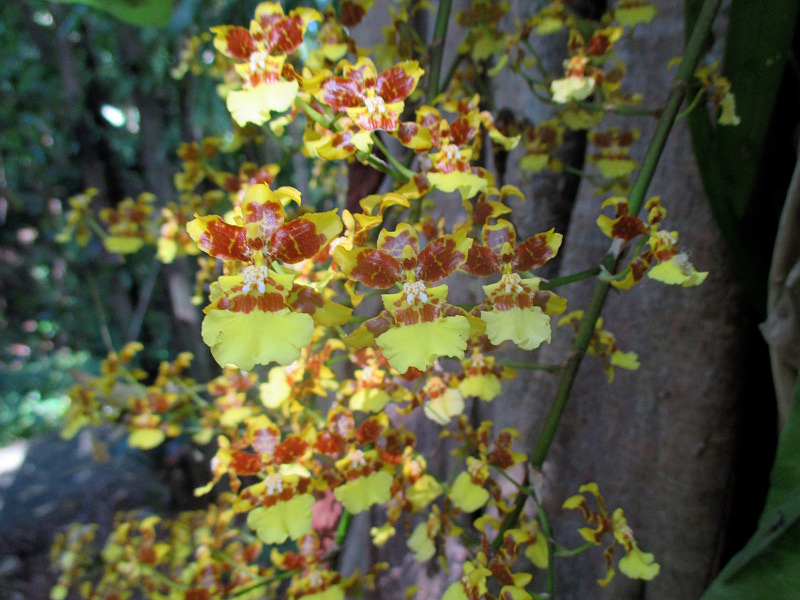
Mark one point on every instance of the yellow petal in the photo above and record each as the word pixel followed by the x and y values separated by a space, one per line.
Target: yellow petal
pixel 639 565
pixel 369 400
pixel 358 495
pixel 513 592
pixel 146 438
pixel 289 519
pixel 537 552
pixel 420 344
pixel 257 337
pixel 571 88
pixel 527 327
pixel 233 416
pixel 420 544
pixel 677 271
pixel 381 535
pixel 256 104
pixel 424 491
pixel 123 244
pixel 468 184
pixel 485 387
pixel 443 408
pixel 277 390
pixel 466 495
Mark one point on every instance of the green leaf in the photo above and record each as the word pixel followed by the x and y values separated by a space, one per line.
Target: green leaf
pixel 767 567
pixel 154 13
pixel 758 42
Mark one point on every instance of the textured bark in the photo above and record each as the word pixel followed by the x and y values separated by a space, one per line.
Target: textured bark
pixel 659 442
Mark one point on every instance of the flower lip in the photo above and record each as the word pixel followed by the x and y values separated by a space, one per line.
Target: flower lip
pixel 511 281
pixel 274 484
pixel 415 291
pixel 255 276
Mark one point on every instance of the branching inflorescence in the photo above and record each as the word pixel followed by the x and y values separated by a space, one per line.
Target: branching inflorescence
pixel 302 443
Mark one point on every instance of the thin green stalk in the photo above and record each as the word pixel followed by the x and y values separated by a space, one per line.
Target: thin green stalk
pixel 445 83
pixel 561 551
pixel 544 523
pixel 555 282
pixel 579 346
pixel 583 337
pixel 531 366
pixel 437 48
pixel 261 583
pixel 680 85
pixel 401 168
pixel 695 101
pixel 344 527
pixel 691 56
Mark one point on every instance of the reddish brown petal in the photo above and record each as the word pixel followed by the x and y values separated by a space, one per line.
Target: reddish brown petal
pixel 376 269
pixel 225 241
pixel 245 303
pixel 628 227
pixel 533 253
pixel 461 132
pixel 395 85
pixel 393 242
pixel 268 214
pixel 239 43
pixel 290 450
pixel 284 35
pixel 306 299
pixel 439 259
pixel 352 14
pixel 369 431
pixel 297 240
pixel 244 463
pixel 340 93
pixel 481 261
pixel 494 236
pixel 330 444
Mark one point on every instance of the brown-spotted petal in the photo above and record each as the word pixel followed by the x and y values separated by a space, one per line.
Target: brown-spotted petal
pixel 304 236
pixel 219 239
pixel 369 266
pixel 536 250
pixel 442 256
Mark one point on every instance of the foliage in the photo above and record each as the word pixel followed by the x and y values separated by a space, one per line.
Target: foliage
pixel 289 281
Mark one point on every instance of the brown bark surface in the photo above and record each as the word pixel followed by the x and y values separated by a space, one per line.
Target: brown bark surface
pixel 659 441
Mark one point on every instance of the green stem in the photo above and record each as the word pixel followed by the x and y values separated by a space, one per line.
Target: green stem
pixel 445 83
pixel 511 518
pixel 695 101
pixel 401 168
pixel 555 282
pixel 680 85
pixel 437 48
pixel 560 551
pixel 584 335
pixel 579 346
pixel 544 523
pixel 691 56
pixel 344 527
pixel 531 366
pixel 261 583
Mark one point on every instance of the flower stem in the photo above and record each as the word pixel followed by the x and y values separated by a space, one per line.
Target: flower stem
pixel 677 94
pixel 401 168
pixel 531 366
pixel 437 48
pixel 555 282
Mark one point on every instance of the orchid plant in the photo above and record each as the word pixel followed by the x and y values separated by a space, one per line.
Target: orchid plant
pixel 306 412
